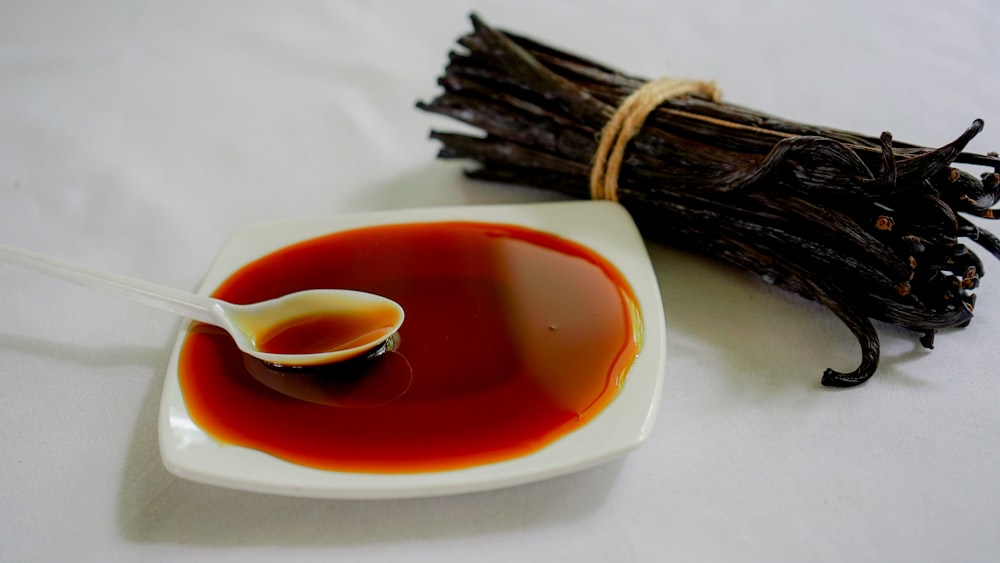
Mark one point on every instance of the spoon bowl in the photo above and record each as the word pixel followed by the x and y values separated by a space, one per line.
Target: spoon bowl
pixel 302 329
pixel 312 327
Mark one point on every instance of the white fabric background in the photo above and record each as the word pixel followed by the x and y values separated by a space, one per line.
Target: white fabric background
pixel 136 136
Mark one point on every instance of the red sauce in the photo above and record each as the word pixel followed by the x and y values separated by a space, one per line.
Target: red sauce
pixel 512 339
pixel 313 334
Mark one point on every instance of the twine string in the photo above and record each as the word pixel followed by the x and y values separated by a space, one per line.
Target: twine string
pixel 625 124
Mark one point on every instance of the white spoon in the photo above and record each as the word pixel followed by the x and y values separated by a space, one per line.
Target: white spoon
pixel 307 328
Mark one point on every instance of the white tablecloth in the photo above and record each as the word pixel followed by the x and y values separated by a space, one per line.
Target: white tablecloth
pixel 137 136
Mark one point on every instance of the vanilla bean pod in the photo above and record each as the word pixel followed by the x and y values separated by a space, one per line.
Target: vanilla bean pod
pixel 867 226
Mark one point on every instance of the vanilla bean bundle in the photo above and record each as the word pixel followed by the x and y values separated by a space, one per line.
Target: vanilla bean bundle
pixel 866 226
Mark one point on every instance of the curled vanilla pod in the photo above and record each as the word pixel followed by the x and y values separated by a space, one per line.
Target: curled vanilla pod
pixel 867 226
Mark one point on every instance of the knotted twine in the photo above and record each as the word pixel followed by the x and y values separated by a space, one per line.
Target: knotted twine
pixel 625 124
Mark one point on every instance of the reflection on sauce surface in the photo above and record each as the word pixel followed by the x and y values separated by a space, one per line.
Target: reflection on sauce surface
pixel 512 339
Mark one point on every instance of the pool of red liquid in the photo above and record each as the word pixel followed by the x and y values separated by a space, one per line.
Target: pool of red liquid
pixel 512 339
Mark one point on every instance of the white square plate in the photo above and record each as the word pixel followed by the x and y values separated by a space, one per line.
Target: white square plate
pixel 605 227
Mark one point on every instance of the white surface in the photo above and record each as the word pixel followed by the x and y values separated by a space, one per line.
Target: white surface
pixel 623 425
pixel 137 137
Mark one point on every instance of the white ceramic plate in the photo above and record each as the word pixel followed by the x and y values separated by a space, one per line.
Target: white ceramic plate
pixel 605 227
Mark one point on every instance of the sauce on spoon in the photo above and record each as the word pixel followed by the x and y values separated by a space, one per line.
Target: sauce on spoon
pixel 318 333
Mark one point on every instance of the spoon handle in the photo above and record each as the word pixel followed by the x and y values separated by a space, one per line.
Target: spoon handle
pixel 190 305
